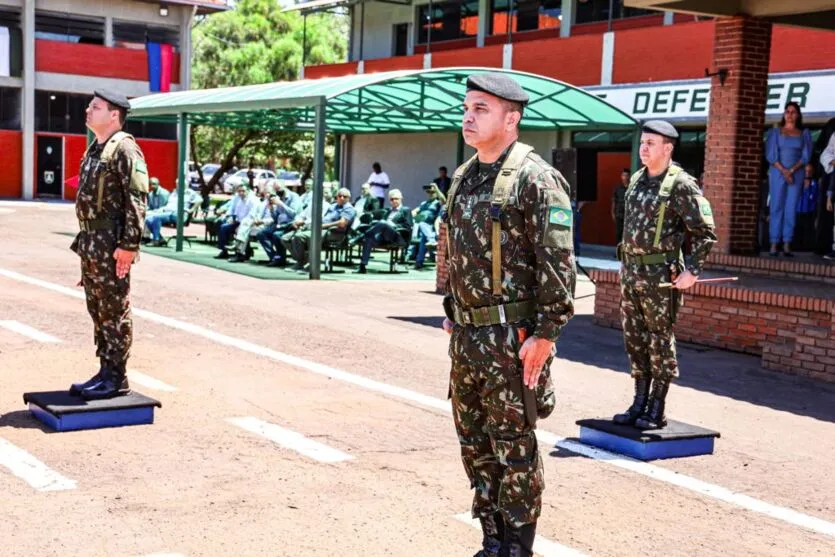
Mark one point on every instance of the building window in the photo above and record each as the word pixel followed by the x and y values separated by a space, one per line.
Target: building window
pixel 151 130
pixel 9 108
pixel 60 112
pixel 10 19
pixel 448 21
pixel 136 35
pixel 527 15
pixel 69 28
pixel 590 11
pixel 400 40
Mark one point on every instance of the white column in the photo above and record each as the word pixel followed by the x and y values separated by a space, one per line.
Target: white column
pixel 186 47
pixel 483 22
pixel 507 56
pixel 569 14
pixel 608 61
pixel 427 61
pixel 108 31
pixel 361 67
pixel 668 18
pixel 28 99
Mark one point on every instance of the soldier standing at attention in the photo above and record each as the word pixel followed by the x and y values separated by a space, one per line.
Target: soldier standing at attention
pixel 110 206
pixel 662 203
pixel 619 204
pixel 510 293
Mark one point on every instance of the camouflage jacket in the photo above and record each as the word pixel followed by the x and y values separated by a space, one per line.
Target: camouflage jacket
pixel 123 200
pixel 536 243
pixel 687 211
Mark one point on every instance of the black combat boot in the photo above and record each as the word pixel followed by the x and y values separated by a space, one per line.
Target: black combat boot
pixel 114 383
pixel 76 388
pixel 518 542
pixel 639 403
pixel 654 417
pixel 493 529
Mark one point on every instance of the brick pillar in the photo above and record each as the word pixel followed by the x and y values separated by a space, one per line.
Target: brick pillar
pixel 735 126
pixel 441 272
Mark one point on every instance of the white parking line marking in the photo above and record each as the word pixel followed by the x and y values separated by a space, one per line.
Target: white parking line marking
pixel 27 331
pixel 148 381
pixel 541 546
pixel 649 470
pixel 31 470
pixel 291 440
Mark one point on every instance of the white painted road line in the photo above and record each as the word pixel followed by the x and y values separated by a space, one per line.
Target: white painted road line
pixel 649 470
pixel 541 546
pixel 27 331
pixel 291 440
pixel 164 555
pixel 31 470
pixel 148 381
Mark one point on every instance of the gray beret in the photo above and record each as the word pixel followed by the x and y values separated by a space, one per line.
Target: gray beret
pixel 113 97
pixel 661 127
pixel 499 85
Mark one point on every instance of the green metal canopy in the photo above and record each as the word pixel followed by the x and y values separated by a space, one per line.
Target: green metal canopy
pixel 398 101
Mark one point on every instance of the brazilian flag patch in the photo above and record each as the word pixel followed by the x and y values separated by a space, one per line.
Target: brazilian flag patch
pixel 560 216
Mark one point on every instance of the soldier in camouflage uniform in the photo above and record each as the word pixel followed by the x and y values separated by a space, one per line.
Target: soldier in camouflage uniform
pixel 663 202
pixel 110 206
pixel 505 318
pixel 619 204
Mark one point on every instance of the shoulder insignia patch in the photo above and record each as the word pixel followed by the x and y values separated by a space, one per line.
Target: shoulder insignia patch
pixel 560 215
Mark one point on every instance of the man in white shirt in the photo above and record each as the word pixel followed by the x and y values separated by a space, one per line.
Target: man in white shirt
pixel 379 182
pixel 243 204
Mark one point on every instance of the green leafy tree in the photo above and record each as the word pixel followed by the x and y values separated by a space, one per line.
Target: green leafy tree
pixel 258 43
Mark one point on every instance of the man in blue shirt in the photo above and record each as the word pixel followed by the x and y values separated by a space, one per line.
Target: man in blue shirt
pixel 157 196
pixel 423 231
pixel 284 206
pixel 337 219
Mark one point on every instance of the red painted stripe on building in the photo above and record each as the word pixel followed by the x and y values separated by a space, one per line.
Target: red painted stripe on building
pixel 796 49
pixel 575 60
pixel 391 64
pixel 96 61
pixel 489 56
pixel 330 70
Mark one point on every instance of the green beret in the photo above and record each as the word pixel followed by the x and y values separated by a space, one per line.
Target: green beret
pixel 661 127
pixel 499 85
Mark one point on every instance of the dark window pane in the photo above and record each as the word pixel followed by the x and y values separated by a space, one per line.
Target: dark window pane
pixel 528 15
pixel 132 35
pixel 69 28
pixel 9 108
pixel 448 21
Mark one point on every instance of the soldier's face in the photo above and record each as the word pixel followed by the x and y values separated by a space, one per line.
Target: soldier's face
pixel 654 149
pixel 486 119
pixel 98 116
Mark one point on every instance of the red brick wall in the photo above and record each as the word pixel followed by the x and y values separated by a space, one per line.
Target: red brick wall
pixel 688 50
pixel 11 160
pixel 95 60
pixel 793 334
pixel 575 60
pixel 734 131
pixel 441 271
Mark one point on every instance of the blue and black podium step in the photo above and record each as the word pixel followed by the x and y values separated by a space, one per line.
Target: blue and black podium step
pixel 676 440
pixel 62 411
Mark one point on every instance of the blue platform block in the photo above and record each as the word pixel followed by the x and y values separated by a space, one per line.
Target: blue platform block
pixel 675 440
pixel 62 411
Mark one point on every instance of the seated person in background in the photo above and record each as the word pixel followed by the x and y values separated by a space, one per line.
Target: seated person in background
pixel 157 218
pixel 337 219
pixel 284 206
pixel 365 203
pixel 442 181
pixel 252 225
pixel 387 231
pixel 157 196
pixel 423 231
pixel 243 204
pixel 300 225
pixel 306 194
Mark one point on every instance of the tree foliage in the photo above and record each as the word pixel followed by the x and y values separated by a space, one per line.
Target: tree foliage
pixel 257 43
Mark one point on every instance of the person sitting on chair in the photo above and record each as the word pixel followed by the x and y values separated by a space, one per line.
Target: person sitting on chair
pixel 423 231
pixel 338 217
pixel 389 231
pixel 242 205
pixel 284 206
pixel 156 219
pixel 365 203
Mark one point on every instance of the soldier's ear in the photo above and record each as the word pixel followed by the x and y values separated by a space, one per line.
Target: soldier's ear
pixel 512 119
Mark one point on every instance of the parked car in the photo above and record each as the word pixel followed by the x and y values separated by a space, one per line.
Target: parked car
pixel 289 178
pixel 261 177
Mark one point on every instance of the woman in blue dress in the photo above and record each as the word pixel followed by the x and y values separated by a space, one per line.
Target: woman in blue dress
pixel 788 150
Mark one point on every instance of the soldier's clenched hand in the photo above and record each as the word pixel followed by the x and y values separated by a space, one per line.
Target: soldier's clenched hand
pixel 124 259
pixel 534 354
pixel 685 280
pixel 447 325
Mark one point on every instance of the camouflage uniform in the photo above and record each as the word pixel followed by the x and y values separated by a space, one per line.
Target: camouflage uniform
pixel 619 208
pixel 119 224
pixel 648 311
pixel 498 444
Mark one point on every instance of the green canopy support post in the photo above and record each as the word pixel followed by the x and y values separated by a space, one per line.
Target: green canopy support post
pixel 459 151
pixel 318 190
pixel 182 136
pixel 337 158
pixel 636 147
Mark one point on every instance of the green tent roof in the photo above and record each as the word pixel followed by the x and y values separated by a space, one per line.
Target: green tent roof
pixel 398 101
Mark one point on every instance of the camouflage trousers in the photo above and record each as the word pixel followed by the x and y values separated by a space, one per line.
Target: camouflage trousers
pixel 108 297
pixel 498 445
pixel 648 314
